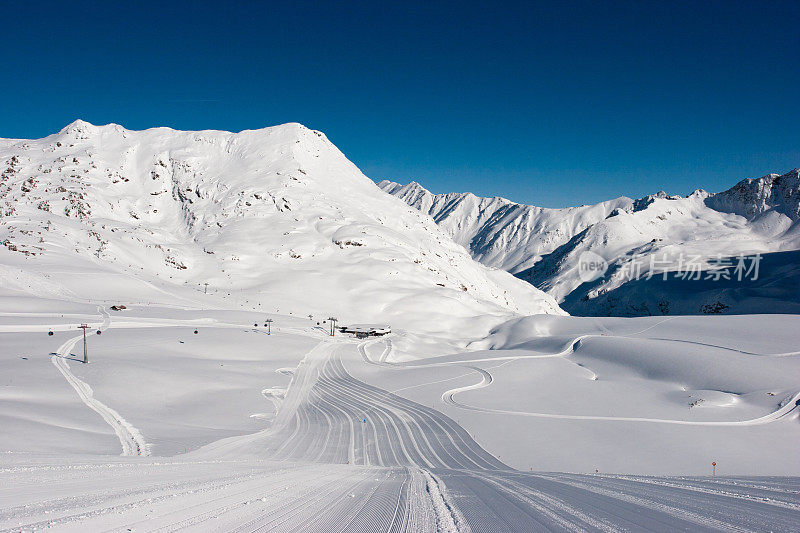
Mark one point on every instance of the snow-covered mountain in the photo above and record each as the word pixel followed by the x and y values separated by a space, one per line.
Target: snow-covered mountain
pixel 635 237
pixel 101 212
pixel 756 198
pixel 499 232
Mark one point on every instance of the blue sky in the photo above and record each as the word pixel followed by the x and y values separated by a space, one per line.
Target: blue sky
pixel 553 104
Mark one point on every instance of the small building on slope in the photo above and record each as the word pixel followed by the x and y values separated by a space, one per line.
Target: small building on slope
pixel 366 330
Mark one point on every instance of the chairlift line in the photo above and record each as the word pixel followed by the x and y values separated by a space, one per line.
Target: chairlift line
pixel 84 327
pixel 333 321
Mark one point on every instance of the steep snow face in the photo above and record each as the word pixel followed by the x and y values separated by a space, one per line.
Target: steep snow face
pixel 753 198
pixel 633 236
pixel 499 232
pixel 278 213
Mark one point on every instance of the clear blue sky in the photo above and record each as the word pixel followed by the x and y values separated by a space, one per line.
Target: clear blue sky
pixel 554 104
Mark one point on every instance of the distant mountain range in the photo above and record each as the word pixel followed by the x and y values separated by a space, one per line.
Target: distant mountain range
pixel 639 239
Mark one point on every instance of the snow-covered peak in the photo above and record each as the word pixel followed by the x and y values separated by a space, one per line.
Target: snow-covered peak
pixel 83 130
pixel 699 193
pixel 642 203
pixel 755 196
pixel 76 125
pixel 411 193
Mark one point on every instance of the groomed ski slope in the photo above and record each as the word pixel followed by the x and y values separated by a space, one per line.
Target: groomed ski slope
pixel 341 454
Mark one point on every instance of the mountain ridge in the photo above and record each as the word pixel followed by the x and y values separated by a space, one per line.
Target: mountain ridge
pixel 488 226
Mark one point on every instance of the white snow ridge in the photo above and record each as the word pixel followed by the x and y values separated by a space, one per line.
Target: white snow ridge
pixel 207 266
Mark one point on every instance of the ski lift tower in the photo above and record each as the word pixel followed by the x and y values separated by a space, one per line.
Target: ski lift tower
pixel 268 323
pixel 84 327
pixel 333 321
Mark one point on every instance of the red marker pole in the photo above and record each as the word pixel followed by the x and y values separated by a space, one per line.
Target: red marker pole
pixel 714 466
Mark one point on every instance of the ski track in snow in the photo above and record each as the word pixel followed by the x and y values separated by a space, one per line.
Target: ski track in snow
pixel 448 518
pixel 487 379
pixel 448 396
pixel 343 455
pixel 345 420
pixel 131 439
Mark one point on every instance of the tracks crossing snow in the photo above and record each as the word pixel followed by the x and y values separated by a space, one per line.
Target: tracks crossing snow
pixel 411 468
pixel 131 439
